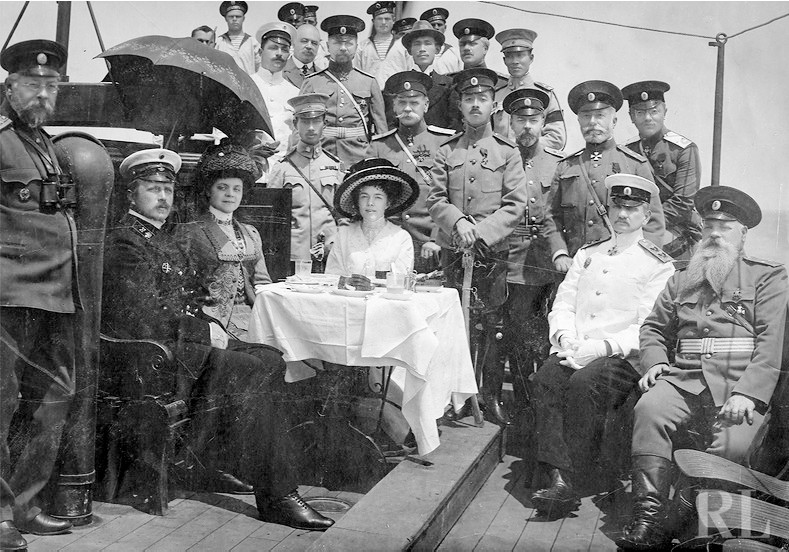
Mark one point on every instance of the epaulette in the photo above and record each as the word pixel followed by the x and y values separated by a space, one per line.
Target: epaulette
pixel 4 122
pixel 598 242
pixel 574 154
pixel 364 73
pixel 634 140
pixel 440 130
pixel 546 87
pixel 141 229
pixel 504 140
pixel 555 153
pixel 655 251
pixel 383 134
pixel 676 139
pixel 634 154
pixel 453 137
pixel 773 264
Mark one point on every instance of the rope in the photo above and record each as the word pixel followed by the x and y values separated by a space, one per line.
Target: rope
pixel 637 27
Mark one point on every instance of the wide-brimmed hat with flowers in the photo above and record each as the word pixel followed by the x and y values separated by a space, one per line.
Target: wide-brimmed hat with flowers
pixel 401 190
pixel 226 160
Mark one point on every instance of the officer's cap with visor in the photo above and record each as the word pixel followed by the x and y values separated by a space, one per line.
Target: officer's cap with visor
pixel 476 79
pixel 343 25
pixel 526 101
pixel 725 203
pixel 151 165
pixel 309 106
pixel 291 11
pixel 629 190
pixel 226 7
pixel 645 94
pixel 594 94
pixel 36 58
pixel 279 32
pixel 408 83
pixel 516 40
pixel 435 14
pixel 473 28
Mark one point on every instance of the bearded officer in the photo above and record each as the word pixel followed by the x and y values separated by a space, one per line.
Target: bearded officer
pixel 531 277
pixel 355 110
pixel 313 175
pixel 674 160
pixel 38 297
pixel 577 213
pixel 478 197
pixel 710 350
pixel 411 148
pixel 517 48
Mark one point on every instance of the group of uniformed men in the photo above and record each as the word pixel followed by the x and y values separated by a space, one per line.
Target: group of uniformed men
pixel 496 196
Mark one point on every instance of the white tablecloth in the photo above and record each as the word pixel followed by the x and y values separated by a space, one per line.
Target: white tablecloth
pixel 425 335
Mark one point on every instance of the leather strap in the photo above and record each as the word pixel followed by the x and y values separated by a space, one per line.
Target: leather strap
pixel 423 174
pixel 356 106
pixel 314 189
pixel 601 210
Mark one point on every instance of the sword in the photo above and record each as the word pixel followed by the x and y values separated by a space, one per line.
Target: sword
pixel 465 301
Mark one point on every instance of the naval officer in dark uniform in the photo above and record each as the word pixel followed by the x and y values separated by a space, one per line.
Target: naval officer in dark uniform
pixel 674 160
pixel 576 215
pixel 478 197
pixel 152 291
pixel 38 296
pixel 411 147
pixel 710 351
pixel 355 109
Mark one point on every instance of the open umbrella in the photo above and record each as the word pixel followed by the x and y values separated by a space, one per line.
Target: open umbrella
pixel 175 86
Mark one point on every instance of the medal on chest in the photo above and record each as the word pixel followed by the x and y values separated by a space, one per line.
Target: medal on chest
pixel 422 153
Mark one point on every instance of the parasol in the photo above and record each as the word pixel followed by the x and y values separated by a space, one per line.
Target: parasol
pixel 175 86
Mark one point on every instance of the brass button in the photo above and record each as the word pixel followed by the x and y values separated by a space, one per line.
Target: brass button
pixel 708 355
pixel 591 202
pixel 706 330
pixel 471 179
pixel 473 161
pixel 534 219
pixel 406 217
pixel 590 223
pixel 605 271
pixel 533 200
pixel 598 292
pixel 531 182
pixel 709 313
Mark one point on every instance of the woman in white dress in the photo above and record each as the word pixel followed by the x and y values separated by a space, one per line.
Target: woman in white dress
pixel 371 245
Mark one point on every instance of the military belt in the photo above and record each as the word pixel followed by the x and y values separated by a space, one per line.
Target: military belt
pixel 344 132
pixel 712 345
pixel 526 231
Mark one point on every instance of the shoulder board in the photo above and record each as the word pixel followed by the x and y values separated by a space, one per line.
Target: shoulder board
pixel 773 264
pixel 4 122
pixel 440 130
pixel 634 140
pixel 504 140
pixel 453 137
pixel 592 244
pixel 544 86
pixel 676 139
pixel 332 157
pixel 383 134
pixel 363 73
pixel 630 153
pixel 555 153
pixel 655 251
pixel 574 154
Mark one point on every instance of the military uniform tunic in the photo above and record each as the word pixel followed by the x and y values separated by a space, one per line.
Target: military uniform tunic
pixel 310 216
pixel 677 168
pixel 573 219
pixel 554 133
pixel 344 135
pixel 751 305
pixel 442 111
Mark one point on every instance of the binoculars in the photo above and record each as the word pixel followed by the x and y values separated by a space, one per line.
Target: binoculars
pixel 57 190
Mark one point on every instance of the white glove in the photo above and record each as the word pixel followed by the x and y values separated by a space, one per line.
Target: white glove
pixel 218 336
pixel 584 353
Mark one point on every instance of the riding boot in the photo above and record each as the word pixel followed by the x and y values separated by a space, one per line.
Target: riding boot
pixel 492 382
pixel 683 517
pixel 557 500
pixel 648 529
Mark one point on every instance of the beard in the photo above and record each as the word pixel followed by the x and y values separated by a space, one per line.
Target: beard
pixel 711 263
pixel 35 112
pixel 526 139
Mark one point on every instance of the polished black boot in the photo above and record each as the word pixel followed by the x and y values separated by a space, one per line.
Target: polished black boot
pixel 291 510
pixel 10 538
pixel 683 517
pixel 559 499
pixel 648 529
pixel 492 382
pixel 44 525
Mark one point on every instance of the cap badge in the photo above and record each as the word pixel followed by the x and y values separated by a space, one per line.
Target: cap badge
pixel 716 205
pixel 407 85
pixel 41 59
pixel 527 102
pixel 474 81
pixel 644 96
pixel 466 31
pixel 627 191
pixel 590 96
pixel 343 30
pixel 292 11
pixel 435 12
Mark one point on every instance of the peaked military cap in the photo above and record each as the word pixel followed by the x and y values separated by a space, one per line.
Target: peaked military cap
pixel 629 190
pixel 278 31
pixel 594 94
pixel 435 14
pixel 403 25
pixel 42 58
pixel 158 165
pixel 477 77
pixel 473 27
pixel 406 82
pixel 309 106
pixel 381 7
pixel 310 10
pixel 725 203
pixel 290 12
pixel 516 40
pixel 526 101
pixel 645 92
pixel 225 7
pixel 342 25
pixel 422 28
